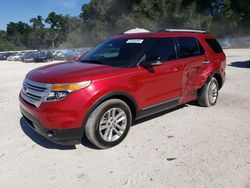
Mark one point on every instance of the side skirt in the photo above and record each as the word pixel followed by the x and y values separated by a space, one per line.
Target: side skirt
pixel 158 108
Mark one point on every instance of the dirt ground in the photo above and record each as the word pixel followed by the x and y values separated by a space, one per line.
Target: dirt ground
pixel 189 146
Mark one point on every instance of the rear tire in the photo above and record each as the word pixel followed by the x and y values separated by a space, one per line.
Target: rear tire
pixel 109 123
pixel 209 93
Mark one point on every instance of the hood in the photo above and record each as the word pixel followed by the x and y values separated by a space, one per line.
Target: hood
pixel 72 72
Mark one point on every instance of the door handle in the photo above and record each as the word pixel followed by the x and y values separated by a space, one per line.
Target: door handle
pixel 175 68
pixel 206 62
pixel 157 63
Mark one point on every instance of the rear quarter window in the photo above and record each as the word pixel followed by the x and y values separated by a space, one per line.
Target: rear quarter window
pixel 189 47
pixel 214 44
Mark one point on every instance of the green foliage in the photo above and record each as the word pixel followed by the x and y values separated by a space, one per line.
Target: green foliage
pixel 36 37
pixel 109 17
pixel 4 43
pixel 37 23
pixel 18 34
pixel 100 19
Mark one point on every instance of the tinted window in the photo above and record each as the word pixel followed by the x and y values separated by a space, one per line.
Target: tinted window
pixel 163 48
pixel 189 47
pixel 118 52
pixel 202 51
pixel 213 43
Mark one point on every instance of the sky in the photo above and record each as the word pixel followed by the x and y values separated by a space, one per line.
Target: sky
pixel 24 10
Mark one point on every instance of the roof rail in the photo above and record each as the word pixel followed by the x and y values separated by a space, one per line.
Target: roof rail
pixel 183 30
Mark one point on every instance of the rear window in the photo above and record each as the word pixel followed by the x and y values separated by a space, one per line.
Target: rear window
pixel 189 47
pixel 213 43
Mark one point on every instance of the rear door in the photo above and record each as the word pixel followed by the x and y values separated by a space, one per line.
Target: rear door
pixel 192 55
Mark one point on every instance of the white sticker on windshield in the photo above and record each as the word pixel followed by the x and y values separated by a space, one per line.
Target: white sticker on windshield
pixel 136 41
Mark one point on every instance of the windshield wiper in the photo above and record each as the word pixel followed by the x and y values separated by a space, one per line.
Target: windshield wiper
pixel 93 61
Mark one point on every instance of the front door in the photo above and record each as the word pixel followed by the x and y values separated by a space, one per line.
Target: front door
pixel 160 84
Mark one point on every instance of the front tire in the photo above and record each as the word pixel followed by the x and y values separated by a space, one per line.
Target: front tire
pixel 209 93
pixel 109 123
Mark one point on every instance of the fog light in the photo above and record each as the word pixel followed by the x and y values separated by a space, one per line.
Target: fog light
pixel 51 134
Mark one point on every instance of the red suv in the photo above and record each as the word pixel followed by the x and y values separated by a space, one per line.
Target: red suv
pixel 125 78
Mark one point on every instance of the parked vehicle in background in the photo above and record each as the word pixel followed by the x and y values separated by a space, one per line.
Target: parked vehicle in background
pixel 29 57
pixel 58 55
pixel 78 56
pixel 9 54
pixel 15 57
pixel 124 78
pixel 42 56
pixel 3 56
pixel 70 55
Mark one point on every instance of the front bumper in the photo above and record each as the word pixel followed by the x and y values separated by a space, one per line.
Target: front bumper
pixel 61 122
pixel 58 136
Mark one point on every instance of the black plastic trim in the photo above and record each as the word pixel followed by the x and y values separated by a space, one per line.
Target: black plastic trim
pixel 158 108
pixel 223 79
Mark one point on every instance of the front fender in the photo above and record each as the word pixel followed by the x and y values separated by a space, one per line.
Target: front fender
pixel 103 95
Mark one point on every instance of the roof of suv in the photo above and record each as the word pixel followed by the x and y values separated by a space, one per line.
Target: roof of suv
pixel 164 34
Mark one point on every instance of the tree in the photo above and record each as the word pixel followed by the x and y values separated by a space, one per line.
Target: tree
pixel 242 13
pixel 58 30
pixel 100 19
pixel 57 21
pixel 4 43
pixel 37 36
pixel 37 23
pixel 18 33
pixel 52 37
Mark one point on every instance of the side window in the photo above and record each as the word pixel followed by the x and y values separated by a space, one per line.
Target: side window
pixel 162 48
pixel 189 47
pixel 213 43
pixel 202 51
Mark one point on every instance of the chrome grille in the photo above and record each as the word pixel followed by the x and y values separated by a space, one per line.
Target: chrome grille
pixel 35 92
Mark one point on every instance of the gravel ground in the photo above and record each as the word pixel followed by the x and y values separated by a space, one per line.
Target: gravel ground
pixel 189 146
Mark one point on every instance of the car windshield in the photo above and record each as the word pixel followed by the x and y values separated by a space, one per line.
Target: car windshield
pixel 118 52
pixel 41 53
pixel 28 55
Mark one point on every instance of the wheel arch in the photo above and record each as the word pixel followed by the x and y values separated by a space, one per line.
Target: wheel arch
pixel 218 77
pixel 125 97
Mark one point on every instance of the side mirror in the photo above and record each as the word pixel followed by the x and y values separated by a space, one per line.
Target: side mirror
pixel 150 62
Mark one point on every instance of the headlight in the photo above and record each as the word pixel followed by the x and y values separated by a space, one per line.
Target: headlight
pixel 60 91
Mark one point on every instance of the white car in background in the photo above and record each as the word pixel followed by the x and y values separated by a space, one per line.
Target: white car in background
pixel 15 57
